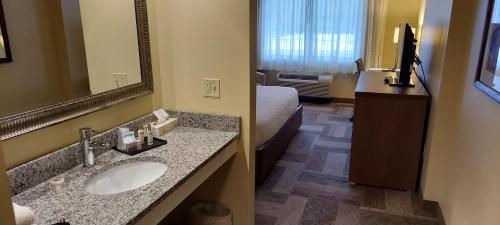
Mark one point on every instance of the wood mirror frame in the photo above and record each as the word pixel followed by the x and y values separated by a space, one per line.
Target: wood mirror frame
pixel 22 123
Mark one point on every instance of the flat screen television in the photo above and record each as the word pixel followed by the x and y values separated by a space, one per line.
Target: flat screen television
pixel 406 57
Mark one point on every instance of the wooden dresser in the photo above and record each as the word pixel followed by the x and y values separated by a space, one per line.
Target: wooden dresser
pixel 388 132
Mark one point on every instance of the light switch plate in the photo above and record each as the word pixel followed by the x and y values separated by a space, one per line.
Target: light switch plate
pixel 121 79
pixel 211 87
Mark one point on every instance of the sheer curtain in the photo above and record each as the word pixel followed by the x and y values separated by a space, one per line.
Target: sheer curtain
pixel 311 35
pixel 375 33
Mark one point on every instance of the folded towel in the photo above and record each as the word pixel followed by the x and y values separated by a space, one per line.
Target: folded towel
pixel 24 215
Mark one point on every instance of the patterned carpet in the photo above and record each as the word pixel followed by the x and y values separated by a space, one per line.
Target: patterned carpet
pixel 310 185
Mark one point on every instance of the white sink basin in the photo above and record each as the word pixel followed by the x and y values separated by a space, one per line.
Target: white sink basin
pixel 125 177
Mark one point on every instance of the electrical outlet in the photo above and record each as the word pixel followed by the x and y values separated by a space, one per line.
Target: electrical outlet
pixel 211 88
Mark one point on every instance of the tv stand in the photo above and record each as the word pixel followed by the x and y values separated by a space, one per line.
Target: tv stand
pixel 388 132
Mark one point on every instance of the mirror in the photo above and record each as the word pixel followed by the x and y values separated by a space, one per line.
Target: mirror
pixel 5 55
pixel 67 49
pixel 84 54
pixel 488 75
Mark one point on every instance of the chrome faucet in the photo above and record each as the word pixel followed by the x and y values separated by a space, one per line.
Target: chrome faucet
pixel 87 146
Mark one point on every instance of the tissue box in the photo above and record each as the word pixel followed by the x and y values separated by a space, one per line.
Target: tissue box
pixel 160 129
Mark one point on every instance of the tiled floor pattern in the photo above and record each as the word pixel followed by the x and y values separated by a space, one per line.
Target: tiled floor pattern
pixel 310 186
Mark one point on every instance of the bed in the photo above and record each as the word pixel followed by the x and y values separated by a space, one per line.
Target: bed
pixel 278 118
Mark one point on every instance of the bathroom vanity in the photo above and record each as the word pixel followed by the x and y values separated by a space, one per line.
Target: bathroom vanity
pixel 195 150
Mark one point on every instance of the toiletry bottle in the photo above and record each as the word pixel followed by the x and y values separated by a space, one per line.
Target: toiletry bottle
pixel 140 134
pixel 149 134
pixel 139 143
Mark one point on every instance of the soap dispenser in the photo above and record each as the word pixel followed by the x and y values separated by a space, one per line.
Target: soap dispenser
pixel 149 135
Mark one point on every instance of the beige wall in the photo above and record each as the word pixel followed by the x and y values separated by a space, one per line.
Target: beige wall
pixel 421 17
pixel 432 53
pixel 110 34
pixel 212 39
pixel 6 213
pixel 463 157
pixel 344 85
pixel 398 12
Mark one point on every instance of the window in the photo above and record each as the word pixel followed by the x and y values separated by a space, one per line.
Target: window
pixel 311 35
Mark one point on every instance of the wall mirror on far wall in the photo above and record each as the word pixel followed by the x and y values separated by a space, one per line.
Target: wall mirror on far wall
pixel 5 55
pixel 488 73
pixel 72 57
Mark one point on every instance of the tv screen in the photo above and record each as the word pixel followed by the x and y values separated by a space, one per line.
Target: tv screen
pixel 407 50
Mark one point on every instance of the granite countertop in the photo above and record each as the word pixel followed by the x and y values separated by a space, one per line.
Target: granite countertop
pixel 188 150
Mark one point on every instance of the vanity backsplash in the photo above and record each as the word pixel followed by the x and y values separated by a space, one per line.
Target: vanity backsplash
pixel 37 171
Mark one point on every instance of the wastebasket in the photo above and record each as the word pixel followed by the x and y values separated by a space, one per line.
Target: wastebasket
pixel 210 213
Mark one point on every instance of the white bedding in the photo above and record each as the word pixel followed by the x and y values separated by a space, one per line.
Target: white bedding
pixel 275 105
